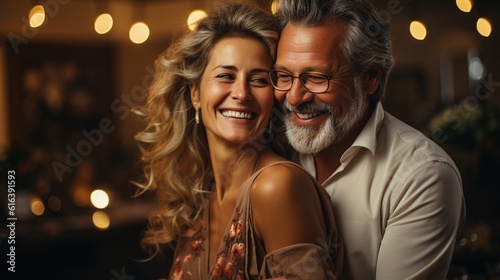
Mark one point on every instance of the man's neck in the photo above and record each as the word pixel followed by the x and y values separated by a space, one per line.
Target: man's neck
pixel 328 160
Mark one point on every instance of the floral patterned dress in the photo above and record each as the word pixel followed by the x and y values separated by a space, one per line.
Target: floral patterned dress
pixel 242 256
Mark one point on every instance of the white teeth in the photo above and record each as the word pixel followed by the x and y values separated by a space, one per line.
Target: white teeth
pixel 306 116
pixel 238 115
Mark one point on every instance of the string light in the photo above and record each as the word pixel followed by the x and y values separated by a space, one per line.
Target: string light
pixel 484 27
pixel 103 23
pixel 99 199
pixel 100 220
pixel 464 5
pixel 37 16
pixel 194 17
pixel 274 6
pixel 139 32
pixel 37 206
pixel 418 30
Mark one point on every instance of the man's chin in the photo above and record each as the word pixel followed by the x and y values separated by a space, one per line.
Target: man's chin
pixel 308 140
pixel 302 139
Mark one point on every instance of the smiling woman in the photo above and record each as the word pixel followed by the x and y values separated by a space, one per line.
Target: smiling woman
pixel 208 156
pixel 234 96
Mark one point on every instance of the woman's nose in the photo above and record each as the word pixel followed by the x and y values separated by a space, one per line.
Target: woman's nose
pixel 241 91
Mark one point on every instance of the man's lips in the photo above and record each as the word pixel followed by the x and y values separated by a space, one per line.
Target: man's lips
pixel 307 116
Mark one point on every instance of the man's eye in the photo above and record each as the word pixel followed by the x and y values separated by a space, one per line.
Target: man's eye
pixel 284 77
pixel 315 79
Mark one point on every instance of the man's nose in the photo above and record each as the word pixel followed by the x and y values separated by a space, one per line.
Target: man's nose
pixel 298 94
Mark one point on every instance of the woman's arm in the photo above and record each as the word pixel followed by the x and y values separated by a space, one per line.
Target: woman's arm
pixel 289 218
pixel 286 208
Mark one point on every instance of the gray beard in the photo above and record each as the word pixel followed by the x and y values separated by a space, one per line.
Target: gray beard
pixel 312 140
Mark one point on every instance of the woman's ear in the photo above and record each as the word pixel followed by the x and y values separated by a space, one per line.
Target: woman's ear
pixel 371 79
pixel 195 94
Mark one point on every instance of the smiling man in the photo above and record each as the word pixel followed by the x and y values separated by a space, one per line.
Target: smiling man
pixel 397 195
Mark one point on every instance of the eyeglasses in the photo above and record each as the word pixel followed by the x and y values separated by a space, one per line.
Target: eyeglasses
pixel 312 81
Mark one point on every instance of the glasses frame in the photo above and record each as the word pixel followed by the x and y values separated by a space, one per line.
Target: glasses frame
pixel 299 76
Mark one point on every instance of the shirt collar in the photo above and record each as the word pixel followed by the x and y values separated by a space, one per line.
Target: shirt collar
pixel 367 138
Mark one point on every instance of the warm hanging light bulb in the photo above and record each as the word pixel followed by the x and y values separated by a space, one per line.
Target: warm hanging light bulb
pixel 103 23
pixel 274 6
pixel 484 26
pixel 418 30
pixel 37 16
pixel 464 5
pixel 194 17
pixel 99 199
pixel 139 32
pixel 37 206
pixel 101 220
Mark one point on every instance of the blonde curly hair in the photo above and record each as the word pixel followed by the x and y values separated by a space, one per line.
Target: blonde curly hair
pixel 174 148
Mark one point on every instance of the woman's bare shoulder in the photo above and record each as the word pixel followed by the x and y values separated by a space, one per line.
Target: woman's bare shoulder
pixel 281 179
pixel 285 202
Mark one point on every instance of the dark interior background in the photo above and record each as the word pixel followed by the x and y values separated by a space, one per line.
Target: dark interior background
pixel 66 129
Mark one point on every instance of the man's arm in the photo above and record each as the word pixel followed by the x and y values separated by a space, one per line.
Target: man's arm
pixel 420 235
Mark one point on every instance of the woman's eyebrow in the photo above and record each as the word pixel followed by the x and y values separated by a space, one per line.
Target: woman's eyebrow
pixel 234 68
pixel 228 67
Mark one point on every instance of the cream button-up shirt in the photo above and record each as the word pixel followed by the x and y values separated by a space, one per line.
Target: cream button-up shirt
pixel 398 203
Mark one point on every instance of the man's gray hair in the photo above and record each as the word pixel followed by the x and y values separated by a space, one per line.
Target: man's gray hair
pixel 367 42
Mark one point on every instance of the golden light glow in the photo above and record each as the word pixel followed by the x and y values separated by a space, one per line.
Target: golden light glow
pixel 37 16
pixel 100 220
pixel 139 32
pixel 37 206
pixel 274 6
pixel 103 23
pixel 418 30
pixel 464 5
pixel 81 196
pixel 194 17
pixel 99 199
pixel 484 27
pixel 54 203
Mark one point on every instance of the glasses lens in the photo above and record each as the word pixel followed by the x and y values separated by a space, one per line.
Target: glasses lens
pixel 281 80
pixel 315 82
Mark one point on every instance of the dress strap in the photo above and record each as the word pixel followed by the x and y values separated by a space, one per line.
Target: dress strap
pixel 281 162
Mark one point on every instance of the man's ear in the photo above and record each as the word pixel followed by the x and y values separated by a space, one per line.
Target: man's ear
pixel 371 79
pixel 195 94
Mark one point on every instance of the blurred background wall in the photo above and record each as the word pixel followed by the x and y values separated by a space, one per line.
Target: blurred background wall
pixel 66 129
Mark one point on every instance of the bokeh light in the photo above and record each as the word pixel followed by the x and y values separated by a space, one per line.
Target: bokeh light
pixel 100 220
pixel 274 6
pixel 194 17
pixel 37 16
pixel 37 206
pixel 54 203
pixel 99 199
pixel 418 30
pixel 103 23
pixel 484 27
pixel 139 32
pixel 464 5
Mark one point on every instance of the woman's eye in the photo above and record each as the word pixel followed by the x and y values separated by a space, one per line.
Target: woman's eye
pixel 259 81
pixel 226 76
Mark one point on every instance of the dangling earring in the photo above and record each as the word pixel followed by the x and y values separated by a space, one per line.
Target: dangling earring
pixel 270 128
pixel 197 116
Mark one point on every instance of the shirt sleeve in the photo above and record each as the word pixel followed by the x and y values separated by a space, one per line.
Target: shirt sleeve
pixel 419 239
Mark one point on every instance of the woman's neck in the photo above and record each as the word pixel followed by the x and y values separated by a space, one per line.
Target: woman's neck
pixel 233 165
